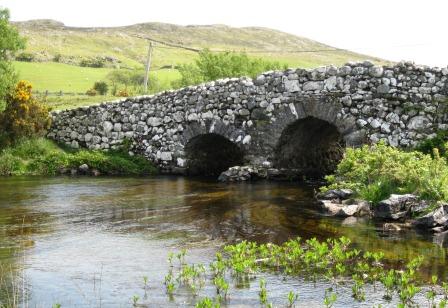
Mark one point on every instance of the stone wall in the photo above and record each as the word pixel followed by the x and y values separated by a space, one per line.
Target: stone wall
pixel 399 104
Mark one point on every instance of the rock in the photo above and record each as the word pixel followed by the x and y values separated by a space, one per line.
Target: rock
pixel 84 168
pixel 313 86
pixel 166 156
pixel 434 219
pixel 396 207
pixel 96 172
pixel 358 207
pixel 153 121
pixel 376 71
pixel 418 123
pixel 292 85
pixel 335 194
pixel 107 126
pixel 383 89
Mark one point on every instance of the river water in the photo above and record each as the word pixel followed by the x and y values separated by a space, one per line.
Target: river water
pixel 88 242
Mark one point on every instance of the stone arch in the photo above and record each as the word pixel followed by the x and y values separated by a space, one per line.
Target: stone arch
pixel 210 154
pixel 309 146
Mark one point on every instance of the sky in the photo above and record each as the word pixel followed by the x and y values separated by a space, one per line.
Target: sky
pixel 396 30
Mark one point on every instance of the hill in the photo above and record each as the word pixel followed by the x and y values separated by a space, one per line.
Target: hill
pixel 124 46
pixel 50 41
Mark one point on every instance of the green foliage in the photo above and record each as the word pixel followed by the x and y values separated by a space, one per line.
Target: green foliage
pixel 374 172
pixel 132 79
pixel 25 57
pixel 439 142
pixel 211 66
pixel 101 87
pixel 10 42
pixel 40 156
pixel 96 62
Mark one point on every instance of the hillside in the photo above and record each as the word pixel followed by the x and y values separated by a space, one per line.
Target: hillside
pixel 48 38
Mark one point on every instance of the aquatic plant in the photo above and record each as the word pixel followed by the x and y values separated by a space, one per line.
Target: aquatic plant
pixel 292 298
pixel 334 260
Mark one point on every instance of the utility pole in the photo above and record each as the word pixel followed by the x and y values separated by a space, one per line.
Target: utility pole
pixel 148 66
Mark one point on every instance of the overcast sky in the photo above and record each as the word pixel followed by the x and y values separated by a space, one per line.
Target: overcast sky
pixel 392 29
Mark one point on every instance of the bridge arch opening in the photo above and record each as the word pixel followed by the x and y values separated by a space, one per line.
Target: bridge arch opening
pixel 211 154
pixel 309 147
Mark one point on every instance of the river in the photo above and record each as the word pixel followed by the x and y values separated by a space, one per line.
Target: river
pixel 88 242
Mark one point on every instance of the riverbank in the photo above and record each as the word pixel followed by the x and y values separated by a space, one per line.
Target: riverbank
pixel 40 156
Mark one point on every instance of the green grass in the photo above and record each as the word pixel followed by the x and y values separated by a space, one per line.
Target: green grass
pixel 41 156
pixel 56 77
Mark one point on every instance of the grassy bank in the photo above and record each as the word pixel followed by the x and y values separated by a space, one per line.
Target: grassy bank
pixel 41 156
pixel 375 172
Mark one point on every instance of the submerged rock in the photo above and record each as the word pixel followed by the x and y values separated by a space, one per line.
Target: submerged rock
pixel 396 206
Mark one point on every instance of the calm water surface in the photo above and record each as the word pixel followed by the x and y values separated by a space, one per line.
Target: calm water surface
pixel 87 242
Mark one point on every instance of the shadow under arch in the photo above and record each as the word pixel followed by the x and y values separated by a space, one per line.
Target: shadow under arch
pixel 309 147
pixel 210 154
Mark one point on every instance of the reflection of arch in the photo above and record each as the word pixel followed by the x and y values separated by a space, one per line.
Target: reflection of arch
pixel 210 154
pixel 309 145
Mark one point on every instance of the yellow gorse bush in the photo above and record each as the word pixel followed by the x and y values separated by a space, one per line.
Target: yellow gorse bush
pixel 24 116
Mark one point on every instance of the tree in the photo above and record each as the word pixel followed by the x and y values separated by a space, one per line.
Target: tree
pixel 211 66
pixel 10 42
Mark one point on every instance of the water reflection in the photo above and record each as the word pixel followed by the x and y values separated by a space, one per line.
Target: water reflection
pixel 66 232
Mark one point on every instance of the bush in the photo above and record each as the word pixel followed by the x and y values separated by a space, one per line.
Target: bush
pixel 211 66
pixel 439 142
pixel 91 92
pixel 57 57
pixel 122 93
pixel 93 62
pixel 24 116
pixel 374 172
pixel 25 57
pixel 101 87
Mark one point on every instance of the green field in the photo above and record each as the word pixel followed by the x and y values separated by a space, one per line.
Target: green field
pixel 56 77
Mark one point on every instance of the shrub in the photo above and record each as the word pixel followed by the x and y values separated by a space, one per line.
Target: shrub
pixel 101 87
pixel 93 62
pixel 24 116
pixel 439 142
pixel 122 93
pixel 25 57
pixel 212 66
pixel 91 92
pixel 57 57
pixel 374 172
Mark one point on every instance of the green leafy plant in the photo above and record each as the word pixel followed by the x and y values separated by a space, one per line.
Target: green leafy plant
pixel 374 172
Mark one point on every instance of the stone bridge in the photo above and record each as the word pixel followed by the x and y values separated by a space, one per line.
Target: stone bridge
pixel 297 119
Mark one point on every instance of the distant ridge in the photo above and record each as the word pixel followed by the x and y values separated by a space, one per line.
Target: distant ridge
pixel 50 38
